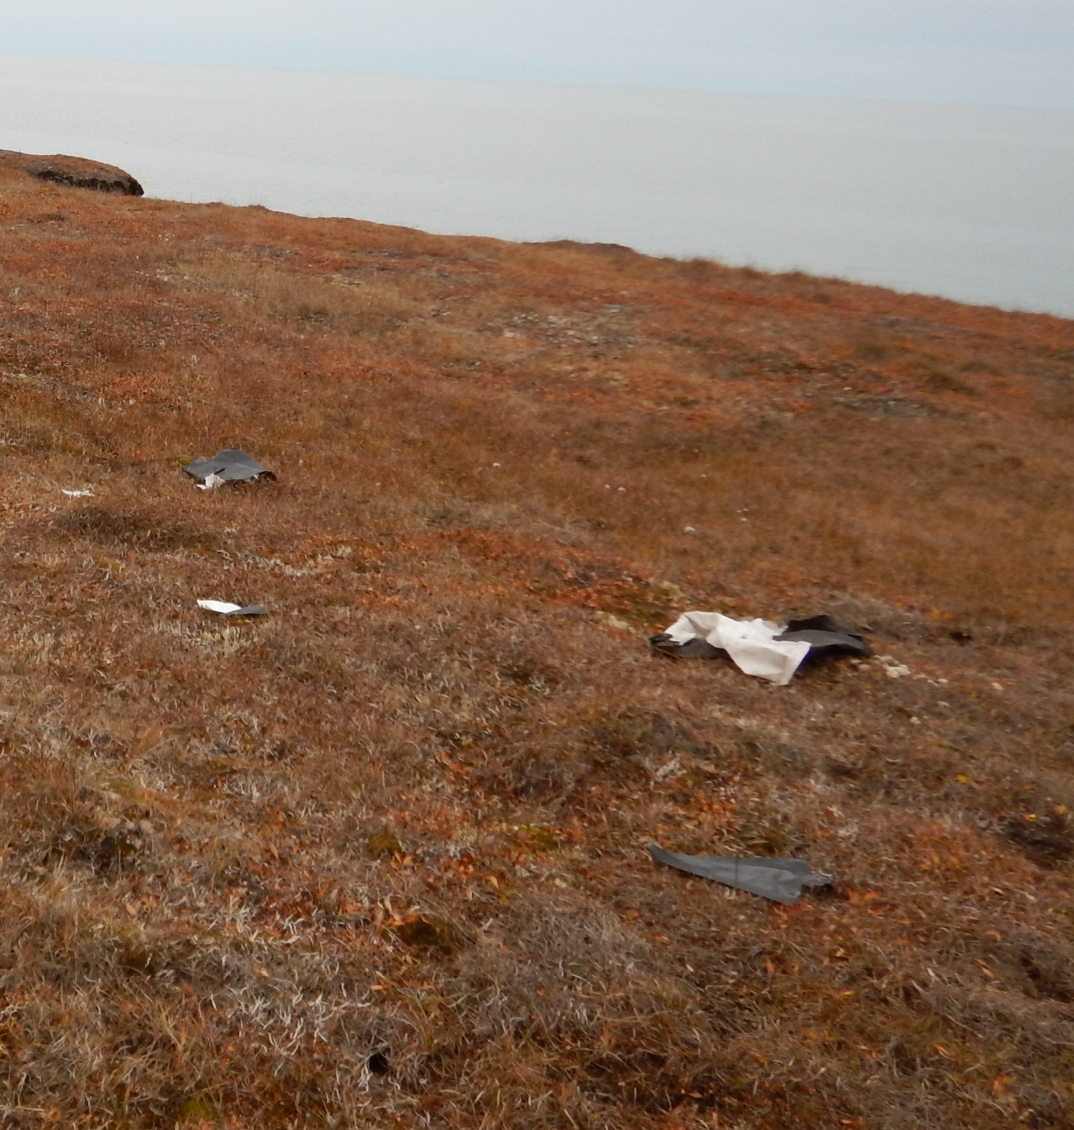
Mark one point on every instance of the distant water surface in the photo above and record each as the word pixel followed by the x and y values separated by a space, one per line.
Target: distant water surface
pixel 974 203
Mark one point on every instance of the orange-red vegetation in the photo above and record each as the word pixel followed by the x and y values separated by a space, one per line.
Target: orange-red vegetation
pixel 377 859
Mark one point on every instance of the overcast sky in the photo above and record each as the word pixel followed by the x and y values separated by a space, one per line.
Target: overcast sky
pixel 1014 52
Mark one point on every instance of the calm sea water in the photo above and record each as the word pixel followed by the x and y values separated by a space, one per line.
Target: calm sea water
pixel 974 203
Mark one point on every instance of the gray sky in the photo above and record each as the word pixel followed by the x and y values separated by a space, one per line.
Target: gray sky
pixel 1014 52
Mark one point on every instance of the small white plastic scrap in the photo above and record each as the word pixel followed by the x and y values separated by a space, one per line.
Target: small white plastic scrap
pixel 226 608
pixel 78 493
pixel 211 480
pixel 222 606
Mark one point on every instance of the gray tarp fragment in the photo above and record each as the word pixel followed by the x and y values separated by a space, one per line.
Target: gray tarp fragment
pixel 227 466
pixel 781 880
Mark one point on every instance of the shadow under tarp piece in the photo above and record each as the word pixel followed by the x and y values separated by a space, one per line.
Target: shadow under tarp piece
pixel 227 466
pixel 780 880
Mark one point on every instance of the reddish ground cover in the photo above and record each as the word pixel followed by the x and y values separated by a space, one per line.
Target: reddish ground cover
pixel 378 859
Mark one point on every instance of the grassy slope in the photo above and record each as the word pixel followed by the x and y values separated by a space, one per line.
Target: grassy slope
pixel 404 817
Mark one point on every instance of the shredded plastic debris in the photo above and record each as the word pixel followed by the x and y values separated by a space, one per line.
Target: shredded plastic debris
pixel 77 493
pixel 227 466
pixel 759 647
pixel 780 880
pixel 226 608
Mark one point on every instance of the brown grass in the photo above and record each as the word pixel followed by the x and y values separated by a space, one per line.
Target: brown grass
pixel 378 858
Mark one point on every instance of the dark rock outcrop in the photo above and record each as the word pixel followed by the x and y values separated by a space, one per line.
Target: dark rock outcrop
pixel 76 172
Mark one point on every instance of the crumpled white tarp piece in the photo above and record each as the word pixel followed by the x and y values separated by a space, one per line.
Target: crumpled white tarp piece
pixel 751 644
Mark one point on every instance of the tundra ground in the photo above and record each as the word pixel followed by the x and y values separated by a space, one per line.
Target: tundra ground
pixel 378 859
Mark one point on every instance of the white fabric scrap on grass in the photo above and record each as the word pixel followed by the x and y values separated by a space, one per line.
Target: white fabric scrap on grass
pixel 751 644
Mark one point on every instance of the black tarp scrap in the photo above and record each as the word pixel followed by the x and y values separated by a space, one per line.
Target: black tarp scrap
pixel 826 636
pixel 780 880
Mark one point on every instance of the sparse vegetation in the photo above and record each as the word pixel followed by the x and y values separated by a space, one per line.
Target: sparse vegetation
pixel 378 859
